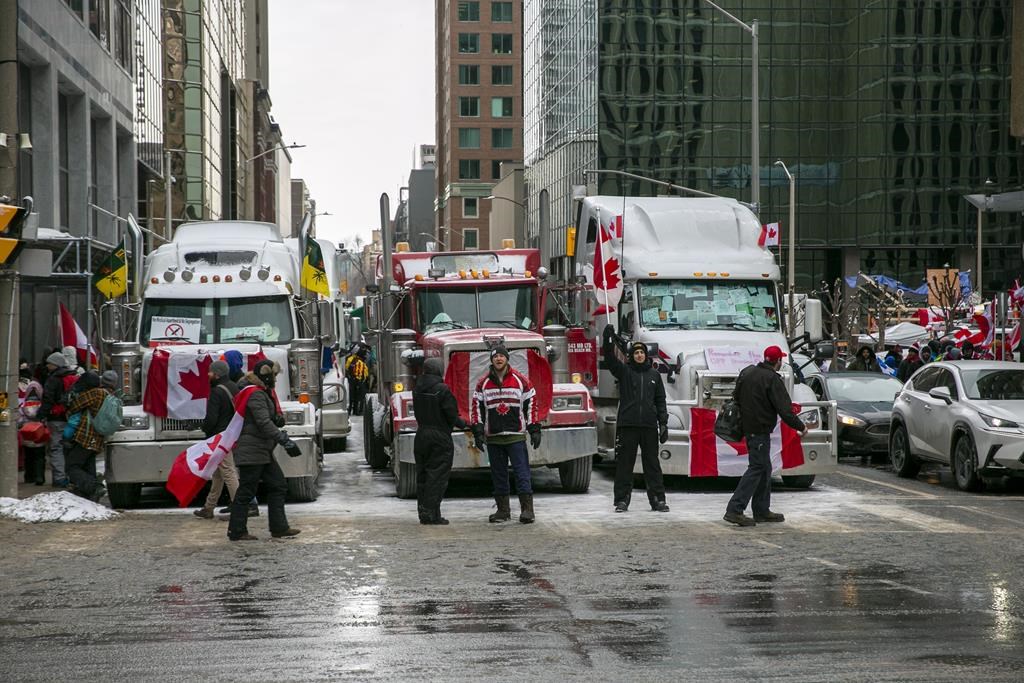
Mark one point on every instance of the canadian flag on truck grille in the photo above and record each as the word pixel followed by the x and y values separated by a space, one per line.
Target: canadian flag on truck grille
pixel 466 368
pixel 178 383
pixel 711 456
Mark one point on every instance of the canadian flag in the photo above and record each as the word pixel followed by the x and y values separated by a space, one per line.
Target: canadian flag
pixel 178 384
pixel 769 235
pixel 986 326
pixel 196 464
pixel 72 335
pixel 466 368
pixel 711 456
pixel 929 317
pixel 606 271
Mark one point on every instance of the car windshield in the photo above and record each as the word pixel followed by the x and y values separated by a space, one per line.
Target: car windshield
pixel 708 304
pixel 470 308
pixel 994 385
pixel 261 319
pixel 863 388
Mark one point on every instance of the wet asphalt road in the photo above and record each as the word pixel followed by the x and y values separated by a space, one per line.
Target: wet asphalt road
pixel 871 578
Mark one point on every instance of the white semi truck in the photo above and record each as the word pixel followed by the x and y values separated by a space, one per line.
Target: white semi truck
pixel 687 277
pixel 217 286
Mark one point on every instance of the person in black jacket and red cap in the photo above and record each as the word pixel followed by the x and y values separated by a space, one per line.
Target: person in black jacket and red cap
pixel 642 422
pixel 763 399
pixel 437 413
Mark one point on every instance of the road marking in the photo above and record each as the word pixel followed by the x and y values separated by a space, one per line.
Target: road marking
pixel 986 513
pixel 885 582
pixel 818 525
pixel 922 494
pixel 766 543
pixel 827 563
pixel 904 515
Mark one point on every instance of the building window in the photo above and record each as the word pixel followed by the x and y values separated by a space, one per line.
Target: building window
pixel 469 74
pixel 63 168
pixel 469 169
pixel 469 106
pixel 470 239
pixel 123 33
pixel 469 11
pixel 501 12
pixel 469 42
pixel 76 6
pixel 99 20
pixel 470 208
pixel 501 74
pixel 469 138
pixel 501 107
pixel 501 43
pixel 496 167
pixel 501 138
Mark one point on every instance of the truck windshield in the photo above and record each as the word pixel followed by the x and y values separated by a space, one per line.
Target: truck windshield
pixel 467 308
pixel 708 304
pixel 261 319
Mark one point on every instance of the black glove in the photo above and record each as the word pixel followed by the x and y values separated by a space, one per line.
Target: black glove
pixel 607 335
pixel 278 420
pixel 292 449
pixel 534 431
pixel 663 434
pixel 478 436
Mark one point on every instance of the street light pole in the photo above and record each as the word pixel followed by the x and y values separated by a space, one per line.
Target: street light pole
pixel 755 101
pixel 989 184
pixel 791 266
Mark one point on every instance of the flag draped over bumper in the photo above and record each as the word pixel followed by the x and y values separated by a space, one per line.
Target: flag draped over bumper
pixel 711 456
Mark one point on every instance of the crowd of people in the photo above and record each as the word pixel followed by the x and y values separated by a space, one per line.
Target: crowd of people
pixel 902 365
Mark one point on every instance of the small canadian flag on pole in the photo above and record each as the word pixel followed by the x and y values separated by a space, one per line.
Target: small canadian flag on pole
pixel 769 235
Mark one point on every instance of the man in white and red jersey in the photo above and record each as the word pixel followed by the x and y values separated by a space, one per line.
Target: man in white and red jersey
pixel 503 412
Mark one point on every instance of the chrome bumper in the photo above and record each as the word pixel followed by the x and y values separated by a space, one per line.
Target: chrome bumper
pixel 335 422
pixel 557 444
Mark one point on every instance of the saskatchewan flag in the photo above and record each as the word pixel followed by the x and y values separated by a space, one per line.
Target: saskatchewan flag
pixel 112 277
pixel 314 277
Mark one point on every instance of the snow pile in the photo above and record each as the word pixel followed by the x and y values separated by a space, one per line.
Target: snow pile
pixel 59 506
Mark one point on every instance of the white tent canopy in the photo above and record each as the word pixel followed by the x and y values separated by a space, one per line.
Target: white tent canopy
pixel 903 334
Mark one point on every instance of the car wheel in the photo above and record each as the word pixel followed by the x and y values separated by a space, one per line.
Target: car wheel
pixel 903 461
pixel 965 464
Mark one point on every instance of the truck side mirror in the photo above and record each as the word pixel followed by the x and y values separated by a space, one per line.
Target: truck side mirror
pixel 325 310
pixel 370 308
pixel 823 350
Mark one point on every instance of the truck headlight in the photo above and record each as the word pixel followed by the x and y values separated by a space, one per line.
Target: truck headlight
pixel 851 421
pixel 295 417
pixel 811 418
pixel 567 403
pixel 135 422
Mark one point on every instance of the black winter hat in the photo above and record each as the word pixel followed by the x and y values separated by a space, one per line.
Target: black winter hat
pixel 266 372
pixel 433 366
pixel 499 350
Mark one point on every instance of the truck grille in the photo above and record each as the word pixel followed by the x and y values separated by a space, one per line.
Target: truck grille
pixel 715 390
pixel 171 425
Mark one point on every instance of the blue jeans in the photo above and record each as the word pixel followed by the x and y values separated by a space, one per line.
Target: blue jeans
pixel 500 456
pixel 756 482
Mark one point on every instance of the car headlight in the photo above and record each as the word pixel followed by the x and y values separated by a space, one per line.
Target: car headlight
pixel 810 418
pixel 567 403
pixel 135 422
pixel 850 420
pixel 294 417
pixel 998 422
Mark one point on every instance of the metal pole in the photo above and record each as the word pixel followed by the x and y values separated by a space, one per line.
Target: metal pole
pixel 168 179
pixel 755 122
pixel 977 275
pixel 88 301
pixel 9 387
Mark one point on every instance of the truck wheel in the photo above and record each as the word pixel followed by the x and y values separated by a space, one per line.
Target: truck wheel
pixel 124 495
pixel 335 445
pixel 575 474
pixel 803 481
pixel 373 445
pixel 405 480
pixel 302 489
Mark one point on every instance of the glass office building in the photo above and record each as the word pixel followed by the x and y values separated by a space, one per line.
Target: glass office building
pixel 888 112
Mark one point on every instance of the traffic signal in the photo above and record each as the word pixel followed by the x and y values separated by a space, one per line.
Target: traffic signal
pixel 12 218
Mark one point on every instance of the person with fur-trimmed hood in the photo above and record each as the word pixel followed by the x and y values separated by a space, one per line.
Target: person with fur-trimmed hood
pixel 254 456
pixel 642 422
pixel 503 412
pixel 865 361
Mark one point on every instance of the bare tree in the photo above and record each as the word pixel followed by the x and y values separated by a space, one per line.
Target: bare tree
pixel 948 297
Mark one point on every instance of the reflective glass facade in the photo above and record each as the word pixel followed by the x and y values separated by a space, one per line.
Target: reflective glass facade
pixel 886 111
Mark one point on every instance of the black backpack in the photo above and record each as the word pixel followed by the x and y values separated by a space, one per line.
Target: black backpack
pixel 728 424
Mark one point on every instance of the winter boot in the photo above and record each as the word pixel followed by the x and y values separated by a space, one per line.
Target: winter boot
pixel 526 507
pixel 504 512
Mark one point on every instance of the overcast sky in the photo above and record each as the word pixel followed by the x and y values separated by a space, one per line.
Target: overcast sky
pixel 354 81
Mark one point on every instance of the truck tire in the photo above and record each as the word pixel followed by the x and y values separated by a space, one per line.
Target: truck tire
pixel 302 489
pixel 373 445
pixel 405 480
pixel 802 481
pixel 124 495
pixel 575 474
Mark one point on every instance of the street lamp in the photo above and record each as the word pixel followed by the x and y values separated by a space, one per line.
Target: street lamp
pixel 518 229
pixel 755 120
pixel 507 199
pixel 791 268
pixel 274 149
pixel 989 185
pixel 433 238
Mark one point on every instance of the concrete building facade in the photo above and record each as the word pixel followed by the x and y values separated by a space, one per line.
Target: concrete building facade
pixel 479 112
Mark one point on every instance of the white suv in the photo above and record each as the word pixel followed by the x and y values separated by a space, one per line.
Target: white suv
pixel 967 414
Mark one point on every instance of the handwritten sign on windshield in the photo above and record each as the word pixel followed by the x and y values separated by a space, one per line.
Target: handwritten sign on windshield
pixel 185 330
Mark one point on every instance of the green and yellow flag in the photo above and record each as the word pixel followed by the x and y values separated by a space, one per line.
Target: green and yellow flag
pixel 314 277
pixel 112 277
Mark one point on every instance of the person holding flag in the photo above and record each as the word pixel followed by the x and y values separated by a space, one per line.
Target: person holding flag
pixel 254 457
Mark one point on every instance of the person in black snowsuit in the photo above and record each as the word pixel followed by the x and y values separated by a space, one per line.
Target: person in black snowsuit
pixel 642 422
pixel 437 412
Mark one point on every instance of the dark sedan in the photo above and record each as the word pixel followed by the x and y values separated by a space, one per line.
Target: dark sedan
pixel 864 402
